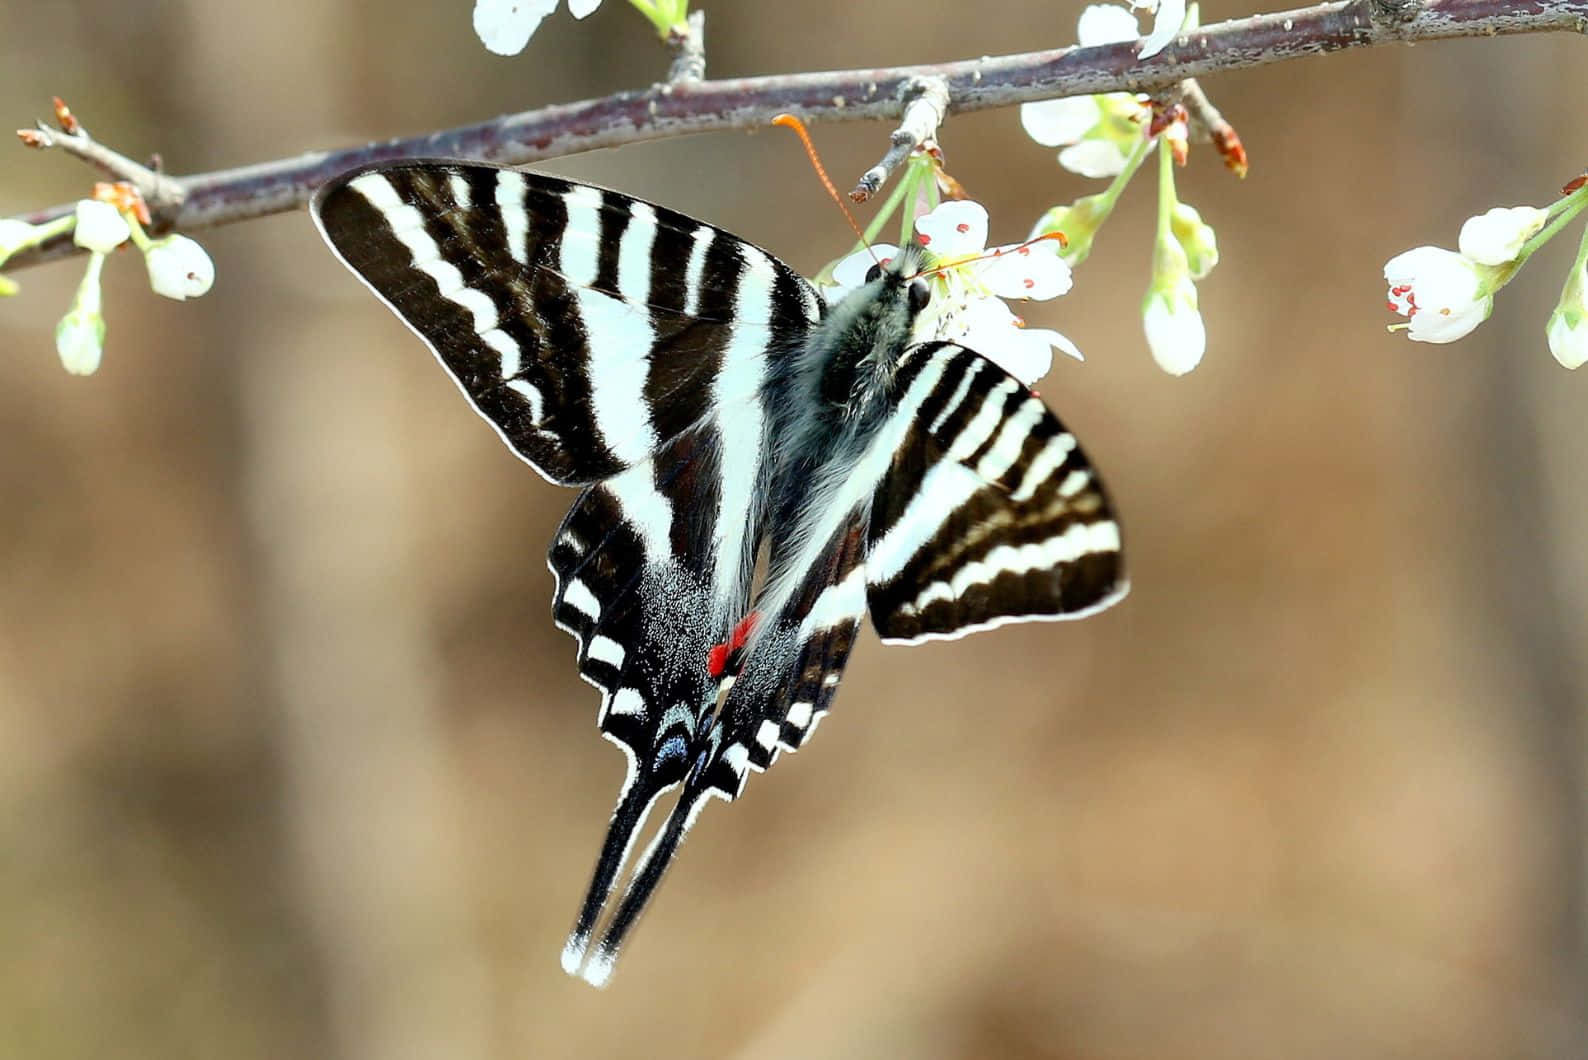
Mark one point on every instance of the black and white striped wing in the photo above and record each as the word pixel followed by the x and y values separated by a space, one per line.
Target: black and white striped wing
pixel 989 512
pixel 618 344
pixel 588 327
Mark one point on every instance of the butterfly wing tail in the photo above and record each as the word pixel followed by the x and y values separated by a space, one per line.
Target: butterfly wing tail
pixel 647 875
pixel 633 807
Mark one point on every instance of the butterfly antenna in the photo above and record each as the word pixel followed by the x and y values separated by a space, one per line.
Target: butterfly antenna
pixel 789 121
pixel 646 876
pixel 627 820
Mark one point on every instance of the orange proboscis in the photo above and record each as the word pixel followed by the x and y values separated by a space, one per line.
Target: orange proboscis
pixel 789 121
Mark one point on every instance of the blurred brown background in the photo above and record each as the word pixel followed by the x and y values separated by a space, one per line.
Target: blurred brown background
pixel 293 762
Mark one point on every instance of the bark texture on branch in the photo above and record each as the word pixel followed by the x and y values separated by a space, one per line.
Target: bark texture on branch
pixel 678 109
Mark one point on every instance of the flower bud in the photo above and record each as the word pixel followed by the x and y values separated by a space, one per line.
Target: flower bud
pixel 178 267
pixel 1196 238
pixel 100 227
pixel 1496 237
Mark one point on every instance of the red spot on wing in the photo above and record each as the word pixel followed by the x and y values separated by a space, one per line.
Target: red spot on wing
pixel 720 655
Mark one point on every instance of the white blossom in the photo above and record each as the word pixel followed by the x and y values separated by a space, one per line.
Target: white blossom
pixel 1496 237
pixel 1105 24
pixel 1442 294
pixel 1568 342
pixel 1097 133
pixel 14 235
pixel 969 285
pixel 1568 324
pixel 178 268
pixel 505 26
pixel 1173 325
pixel 100 227
pixel 80 335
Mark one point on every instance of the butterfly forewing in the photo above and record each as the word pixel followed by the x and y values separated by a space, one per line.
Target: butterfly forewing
pixel 586 326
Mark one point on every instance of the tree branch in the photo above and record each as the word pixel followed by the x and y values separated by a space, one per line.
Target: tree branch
pixel 925 102
pixel 679 109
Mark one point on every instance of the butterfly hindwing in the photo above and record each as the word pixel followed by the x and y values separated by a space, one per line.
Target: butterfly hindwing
pixel 990 512
pixel 786 684
pixel 647 588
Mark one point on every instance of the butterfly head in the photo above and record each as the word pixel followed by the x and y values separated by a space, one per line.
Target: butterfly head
pixel 861 341
pixel 917 292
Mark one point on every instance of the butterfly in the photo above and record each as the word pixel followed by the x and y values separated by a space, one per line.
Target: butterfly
pixel 718 415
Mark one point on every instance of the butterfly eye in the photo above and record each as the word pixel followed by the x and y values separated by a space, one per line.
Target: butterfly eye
pixel 873 273
pixel 920 294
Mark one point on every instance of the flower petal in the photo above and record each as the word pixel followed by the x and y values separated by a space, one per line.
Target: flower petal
pixel 1439 291
pixel 1055 122
pixel 956 228
pixel 1105 24
pixel 100 227
pixel 1166 25
pixel 505 26
pixel 1568 344
pixel 80 342
pixel 1496 237
pixel 993 331
pixel 1093 158
pixel 1447 324
pixel 1034 271
pixel 850 273
pixel 582 8
pixel 1175 332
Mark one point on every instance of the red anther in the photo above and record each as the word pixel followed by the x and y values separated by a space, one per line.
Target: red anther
pixel 1573 184
pixel 1030 283
pixel 31 138
pixel 925 239
pixel 1391 307
pixel 962 228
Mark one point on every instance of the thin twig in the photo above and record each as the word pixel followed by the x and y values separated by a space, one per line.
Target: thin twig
pixel 162 193
pixel 925 102
pixel 1207 121
pixel 689 50
pixel 849 95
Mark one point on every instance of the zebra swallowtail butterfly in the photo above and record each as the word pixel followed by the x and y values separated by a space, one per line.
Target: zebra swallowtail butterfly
pixel 714 410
